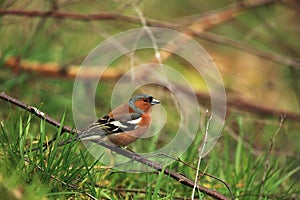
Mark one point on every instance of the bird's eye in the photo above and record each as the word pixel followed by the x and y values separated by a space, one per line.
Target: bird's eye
pixel 148 100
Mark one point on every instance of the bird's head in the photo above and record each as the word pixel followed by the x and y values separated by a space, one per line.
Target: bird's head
pixel 142 103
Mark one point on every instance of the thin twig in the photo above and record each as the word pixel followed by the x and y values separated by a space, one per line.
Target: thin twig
pixel 131 155
pixel 253 150
pixel 201 150
pixel 150 34
pixel 209 175
pixel 267 162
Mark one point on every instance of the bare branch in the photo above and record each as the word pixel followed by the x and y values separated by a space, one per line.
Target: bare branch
pixel 35 111
pixel 205 22
pixel 281 59
pixel 53 69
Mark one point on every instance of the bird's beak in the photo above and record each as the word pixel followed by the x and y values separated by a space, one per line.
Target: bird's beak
pixel 154 101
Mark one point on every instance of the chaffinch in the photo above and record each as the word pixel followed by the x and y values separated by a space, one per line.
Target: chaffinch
pixel 124 124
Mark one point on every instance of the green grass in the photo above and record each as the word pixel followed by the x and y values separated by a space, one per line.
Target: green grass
pixel 70 171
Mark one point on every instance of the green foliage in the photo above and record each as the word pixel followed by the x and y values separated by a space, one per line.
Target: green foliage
pixel 70 171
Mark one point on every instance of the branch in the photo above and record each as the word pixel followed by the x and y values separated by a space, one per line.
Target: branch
pixel 131 155
pixel 207 22
pixel 244 105
pixel 70 16
pixel 53 69
pixel 115 74
pixel 35 111
pixel 280 59
pixel 195 25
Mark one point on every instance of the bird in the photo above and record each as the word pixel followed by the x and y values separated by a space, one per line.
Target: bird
pixel 124 124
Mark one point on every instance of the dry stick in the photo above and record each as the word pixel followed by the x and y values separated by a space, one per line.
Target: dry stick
pixel 35 111
pixel 267 163
pixel 244 105
pixel 136 157
pixel 66 71
pixel 201 151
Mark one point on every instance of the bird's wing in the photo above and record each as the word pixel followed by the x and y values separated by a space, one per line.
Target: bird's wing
pixel 110 125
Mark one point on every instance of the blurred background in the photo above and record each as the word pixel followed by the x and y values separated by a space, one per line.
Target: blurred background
pixel 254 43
